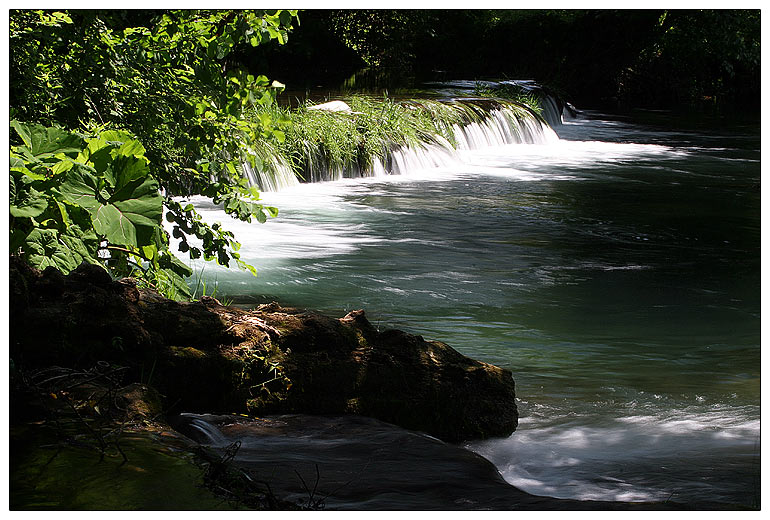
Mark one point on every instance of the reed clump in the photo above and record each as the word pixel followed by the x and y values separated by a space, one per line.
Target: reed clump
pixel 513 92
pixel 326 145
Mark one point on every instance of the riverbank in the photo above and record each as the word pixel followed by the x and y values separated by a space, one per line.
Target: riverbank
pixel 207 358
pixel 87 414
pixel 288 462
pixel 94 391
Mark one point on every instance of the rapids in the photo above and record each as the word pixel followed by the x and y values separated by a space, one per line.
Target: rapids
pixel 615 270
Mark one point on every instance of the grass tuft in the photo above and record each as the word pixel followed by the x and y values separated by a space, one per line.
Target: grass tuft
pixel 321 145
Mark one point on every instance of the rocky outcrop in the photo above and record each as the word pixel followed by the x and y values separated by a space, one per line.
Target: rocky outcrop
pixel 205 357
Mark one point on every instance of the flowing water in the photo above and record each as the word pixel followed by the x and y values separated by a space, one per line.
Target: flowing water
pixel 615 271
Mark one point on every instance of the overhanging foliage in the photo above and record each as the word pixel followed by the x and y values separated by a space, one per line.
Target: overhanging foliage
pixel 164 81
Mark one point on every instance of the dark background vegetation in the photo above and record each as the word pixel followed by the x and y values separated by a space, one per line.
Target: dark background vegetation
pixel 664 59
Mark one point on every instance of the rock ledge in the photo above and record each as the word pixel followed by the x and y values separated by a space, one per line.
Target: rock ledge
pixel 208 358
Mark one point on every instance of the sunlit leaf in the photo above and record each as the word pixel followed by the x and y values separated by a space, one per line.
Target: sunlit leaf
pixel 28 203
pixel 42 140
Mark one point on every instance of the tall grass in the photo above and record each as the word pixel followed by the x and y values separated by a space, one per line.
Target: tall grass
pixel 511 92
pixel 322 145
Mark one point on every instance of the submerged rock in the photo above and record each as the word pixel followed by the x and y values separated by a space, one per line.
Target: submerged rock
pixel 206 357
pixel 161 473
pixel 358 463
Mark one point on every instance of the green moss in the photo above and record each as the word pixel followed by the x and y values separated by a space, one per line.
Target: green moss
pixel 188 352
pixel 361 339
pixel 156 477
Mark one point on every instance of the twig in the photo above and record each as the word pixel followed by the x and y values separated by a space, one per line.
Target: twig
pixel 311 494
pixel 98 437
pixel 98 376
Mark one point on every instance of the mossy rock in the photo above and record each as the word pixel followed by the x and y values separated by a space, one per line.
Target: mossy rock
pixel 47 476
pixel 208 358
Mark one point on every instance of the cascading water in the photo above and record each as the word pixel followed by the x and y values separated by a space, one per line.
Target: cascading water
pixel 202 431
pixel 498 126
pixel 615 272
pixel 503 127
pixel 408 159
pixel 554 110
pixel 276 175
pixel 353 462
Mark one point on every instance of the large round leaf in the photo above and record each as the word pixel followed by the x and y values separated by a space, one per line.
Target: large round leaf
pixel 117 215
pixel 44 141
pixel 47 247
pixel 26 201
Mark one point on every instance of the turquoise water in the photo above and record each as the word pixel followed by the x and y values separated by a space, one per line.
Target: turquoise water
pixel 615 272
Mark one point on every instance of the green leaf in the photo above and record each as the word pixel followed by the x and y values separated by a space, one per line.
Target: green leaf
pixel 98 153
pixel 17 238
pixel 172 285
pixel 170 261
pixel 115 136
pixel 83 245
pixel 12 189
pixel 64 164
pixel 27 202
pixel 62 208
pixel 46 247
pixel 114 226
pixel 82 188
pixel 285 17
pixel 127 169
pixel 140 201
pixel 150 253
pixel 42 140
pixel 244 265
pixel 19 165
pixel 132 147
pixel 117 216
pixel 23 131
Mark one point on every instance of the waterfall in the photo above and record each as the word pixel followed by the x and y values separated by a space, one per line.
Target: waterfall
pixel 275 175
pixel 503 126
pixel 483 123
pixel 552 112
pixel 195 427
pixel 554 109
pixel 398 161
pixel 405 159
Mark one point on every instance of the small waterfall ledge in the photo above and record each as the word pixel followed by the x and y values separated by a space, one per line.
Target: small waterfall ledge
pixel 489 124
pixel 275 175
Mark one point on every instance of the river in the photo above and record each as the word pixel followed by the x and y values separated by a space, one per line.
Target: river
pixel 615 271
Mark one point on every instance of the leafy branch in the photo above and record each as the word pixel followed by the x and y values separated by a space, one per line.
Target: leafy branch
pixel 169 82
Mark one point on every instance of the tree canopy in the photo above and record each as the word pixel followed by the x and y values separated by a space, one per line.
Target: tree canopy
pixel 653 58
pixel 114 113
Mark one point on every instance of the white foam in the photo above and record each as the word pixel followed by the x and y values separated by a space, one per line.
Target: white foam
pixel 637 457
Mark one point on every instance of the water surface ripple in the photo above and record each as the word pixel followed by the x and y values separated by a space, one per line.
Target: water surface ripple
pixel 616 272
